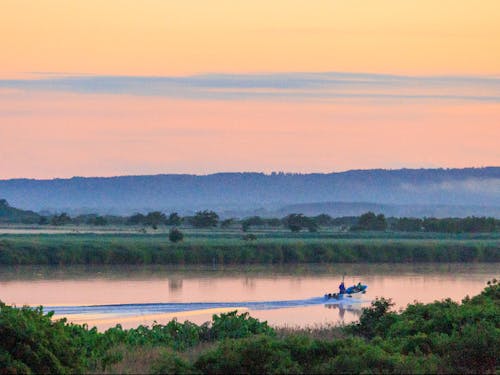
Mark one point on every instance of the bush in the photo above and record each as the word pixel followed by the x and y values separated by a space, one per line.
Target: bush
pixel 475 349
pixel 374 320
pixel 175 235
pixel 32 342
pixel 171 363
pixel 232 325
pixel 255 355
pixel 440 337
pixel 249 237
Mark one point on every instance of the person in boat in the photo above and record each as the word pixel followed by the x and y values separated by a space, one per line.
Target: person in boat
pixel 358 287
pixel 342 288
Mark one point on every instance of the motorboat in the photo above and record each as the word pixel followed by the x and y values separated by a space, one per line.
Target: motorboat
pixel 355 289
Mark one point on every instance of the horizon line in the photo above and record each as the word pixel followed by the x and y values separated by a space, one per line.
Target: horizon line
pixel 251 172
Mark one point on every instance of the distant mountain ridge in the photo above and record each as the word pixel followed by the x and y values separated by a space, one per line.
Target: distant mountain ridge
pixel 242 193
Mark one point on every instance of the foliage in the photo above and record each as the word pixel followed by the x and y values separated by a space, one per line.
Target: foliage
pixel 457 225
pixel 155 219
pixel 97 221
pixel 440 337
pixel 136 219
pixel 204 219
pixel 323 220
pixel 172 363
pixel 174 219
pixel 32 343
pixel 370 221
pixel 249 237
pixel 374 319
pixel 297 222
pixel 232 325
pixel 175 235
pixel 447 225
pixel 62 219
pixel 406 224
pixel 10 214
pixel 256 355
pixel 93 249
pixel 227 223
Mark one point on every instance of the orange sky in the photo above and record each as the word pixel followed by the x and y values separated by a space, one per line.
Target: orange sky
pixel 108 135
pixel 48 132
pixel 158 37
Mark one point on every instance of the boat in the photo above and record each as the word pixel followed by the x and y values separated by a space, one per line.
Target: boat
pixel 336 296
pixel 356 289
pixel 359 288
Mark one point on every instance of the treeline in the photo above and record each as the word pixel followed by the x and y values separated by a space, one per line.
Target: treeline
pixel 447 225
pixel 443 337
pixel 295 222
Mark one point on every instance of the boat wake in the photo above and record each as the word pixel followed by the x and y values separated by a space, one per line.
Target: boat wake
pixel 159 308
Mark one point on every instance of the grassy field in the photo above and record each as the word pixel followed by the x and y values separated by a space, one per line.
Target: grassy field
pixel 228 247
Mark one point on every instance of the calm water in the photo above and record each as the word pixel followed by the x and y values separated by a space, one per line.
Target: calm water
pixel 281 295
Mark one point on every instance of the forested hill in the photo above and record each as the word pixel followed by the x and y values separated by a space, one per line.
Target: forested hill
pixel 10 214
pixel 244 192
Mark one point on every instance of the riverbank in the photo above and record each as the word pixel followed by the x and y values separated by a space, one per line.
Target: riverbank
pixel 438 337
pixel 280 294
pixel 227 249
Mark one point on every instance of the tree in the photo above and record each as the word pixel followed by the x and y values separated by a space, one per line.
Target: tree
pixel 136 219
pixel 252 221
pixel 100 221
pixel 312 225
pixel 155 218
pixel 174 219
pixel 295 222
pixel 407 224
pixel 323 220
pixel 370 221
pixel 61 219
pixel 245 226
pixel 273 222
pixel 175 235
pixel 205 219
pixel 227 223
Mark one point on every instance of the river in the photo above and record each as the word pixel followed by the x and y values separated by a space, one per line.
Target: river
pixel 284 296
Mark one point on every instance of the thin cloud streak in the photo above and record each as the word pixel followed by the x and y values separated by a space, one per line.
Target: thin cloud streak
pixel 273 86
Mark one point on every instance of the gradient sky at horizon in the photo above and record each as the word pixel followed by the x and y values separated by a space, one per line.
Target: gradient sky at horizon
pixel 100 88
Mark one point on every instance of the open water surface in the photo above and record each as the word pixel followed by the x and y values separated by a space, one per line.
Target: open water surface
pixel 284 296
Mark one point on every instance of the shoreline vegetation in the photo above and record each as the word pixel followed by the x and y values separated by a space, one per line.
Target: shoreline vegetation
pixel 228 248
pixel 205 238
pixel 439 337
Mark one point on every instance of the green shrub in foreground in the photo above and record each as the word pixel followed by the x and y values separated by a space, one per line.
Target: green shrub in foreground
pixel 30 342
pixel 439 337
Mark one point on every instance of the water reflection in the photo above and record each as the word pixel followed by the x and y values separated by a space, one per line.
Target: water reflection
pixel 175 284
pixel 137 272
pixel 238 286
pixel 342 308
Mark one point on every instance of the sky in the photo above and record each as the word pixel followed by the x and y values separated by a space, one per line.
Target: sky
pixel 103 88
